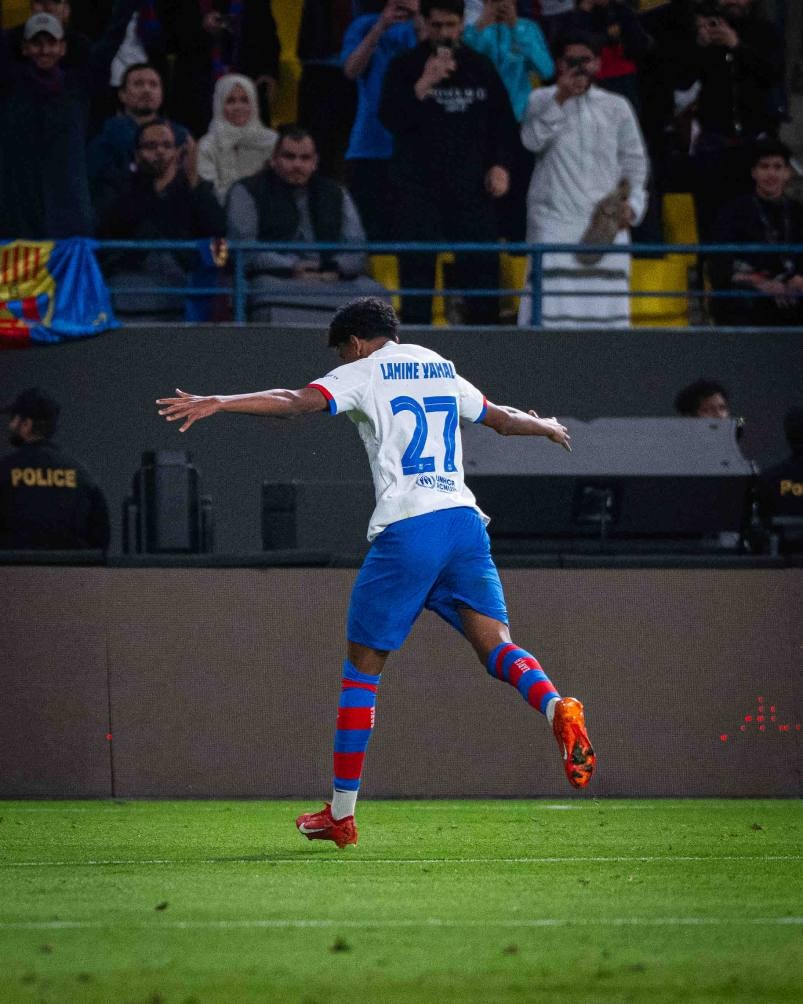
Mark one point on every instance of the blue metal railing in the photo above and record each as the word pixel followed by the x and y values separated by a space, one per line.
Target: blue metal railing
pixel 240 251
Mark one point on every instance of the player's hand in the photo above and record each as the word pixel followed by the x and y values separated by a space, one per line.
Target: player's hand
pixel 189 407
pixel 552 429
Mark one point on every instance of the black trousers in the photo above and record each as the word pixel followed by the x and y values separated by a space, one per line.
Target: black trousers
pixel 367 181
pixel 430 215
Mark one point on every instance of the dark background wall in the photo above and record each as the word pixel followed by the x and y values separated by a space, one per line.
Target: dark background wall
pixel 224 683
pixel 107 387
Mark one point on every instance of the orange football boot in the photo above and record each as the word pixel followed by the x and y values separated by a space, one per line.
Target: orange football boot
pixel 569 726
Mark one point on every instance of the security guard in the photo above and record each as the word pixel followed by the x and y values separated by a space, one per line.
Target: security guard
pixel 781 487
pixel 47 500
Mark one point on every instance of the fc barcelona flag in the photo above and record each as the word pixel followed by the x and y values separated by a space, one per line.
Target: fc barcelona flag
pixel 51 291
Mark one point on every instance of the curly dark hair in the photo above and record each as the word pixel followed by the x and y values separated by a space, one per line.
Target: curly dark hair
pixel 367 318
pixel 689 399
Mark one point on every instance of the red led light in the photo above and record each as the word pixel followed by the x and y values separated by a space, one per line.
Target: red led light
pixel 109 736
pixel 759 718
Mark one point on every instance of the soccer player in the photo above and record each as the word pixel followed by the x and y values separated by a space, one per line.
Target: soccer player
pixel 430 548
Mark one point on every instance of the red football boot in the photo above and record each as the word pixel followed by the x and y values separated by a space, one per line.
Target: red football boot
pixel 321 826
pixel 569 726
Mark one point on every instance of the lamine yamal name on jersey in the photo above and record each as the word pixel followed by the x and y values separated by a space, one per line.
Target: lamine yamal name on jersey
pixel 417 371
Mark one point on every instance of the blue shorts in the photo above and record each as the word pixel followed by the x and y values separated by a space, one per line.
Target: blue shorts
pixel 440 561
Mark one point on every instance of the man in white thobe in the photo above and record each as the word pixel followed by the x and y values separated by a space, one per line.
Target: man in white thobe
pixel 587 141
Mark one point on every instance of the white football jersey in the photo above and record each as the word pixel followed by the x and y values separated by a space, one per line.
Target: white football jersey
pixel 407 402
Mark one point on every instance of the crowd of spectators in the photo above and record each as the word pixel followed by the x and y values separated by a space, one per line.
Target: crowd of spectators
pixel 421 120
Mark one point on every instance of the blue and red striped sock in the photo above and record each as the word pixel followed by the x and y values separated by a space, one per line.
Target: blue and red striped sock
pixel 521 670
pixel 355 720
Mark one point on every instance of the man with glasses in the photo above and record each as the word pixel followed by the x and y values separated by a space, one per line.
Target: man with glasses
pixel 140 97
pixel 162 199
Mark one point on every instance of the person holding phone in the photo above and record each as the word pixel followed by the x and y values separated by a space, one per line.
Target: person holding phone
pixel 738 64
pixel 454 139
pixel 216 37
pixel 588 142
pixel 624 43
pixel 370 44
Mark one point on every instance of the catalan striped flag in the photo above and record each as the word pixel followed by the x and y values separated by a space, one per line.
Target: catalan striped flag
pixel 51 291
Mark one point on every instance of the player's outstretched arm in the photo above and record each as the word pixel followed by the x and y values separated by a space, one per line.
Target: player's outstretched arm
pixel 509 421
pixel 189 408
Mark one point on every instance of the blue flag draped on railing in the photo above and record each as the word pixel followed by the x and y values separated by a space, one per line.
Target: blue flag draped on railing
pixel 51 291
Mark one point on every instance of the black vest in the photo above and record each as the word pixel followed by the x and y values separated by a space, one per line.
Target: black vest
pixel 278 216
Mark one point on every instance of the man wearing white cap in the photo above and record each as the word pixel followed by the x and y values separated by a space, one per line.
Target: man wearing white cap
pixel 44 107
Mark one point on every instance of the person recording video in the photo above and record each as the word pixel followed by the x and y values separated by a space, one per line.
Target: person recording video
pixel 738 65
pixel 454 139
pixel 588 144
pixel 370 44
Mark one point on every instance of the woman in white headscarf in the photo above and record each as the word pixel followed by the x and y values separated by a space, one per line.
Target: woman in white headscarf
pixel 237 144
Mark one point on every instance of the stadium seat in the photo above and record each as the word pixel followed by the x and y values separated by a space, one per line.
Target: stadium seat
pixel 14 12
pixel 439 318
pixel 512 275
pixel 287 14
pixel 680 221
pixel 384 268
pixel 659 275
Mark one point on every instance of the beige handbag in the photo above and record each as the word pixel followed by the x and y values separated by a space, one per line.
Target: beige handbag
pixel 604 224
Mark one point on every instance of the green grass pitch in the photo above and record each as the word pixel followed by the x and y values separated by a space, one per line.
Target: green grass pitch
pixel 578 901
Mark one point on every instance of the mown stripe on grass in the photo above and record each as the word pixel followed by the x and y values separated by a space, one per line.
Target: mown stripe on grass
pixel 317 858
pixel 425 922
